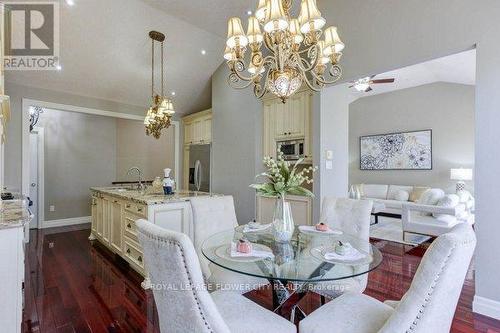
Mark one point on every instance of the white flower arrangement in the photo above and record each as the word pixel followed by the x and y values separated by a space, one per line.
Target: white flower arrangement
pixel 284 178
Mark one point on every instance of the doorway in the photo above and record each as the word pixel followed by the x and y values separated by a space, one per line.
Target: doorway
pixel 36 163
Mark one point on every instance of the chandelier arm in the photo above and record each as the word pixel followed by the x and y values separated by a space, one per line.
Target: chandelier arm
pixel 304 65
pixel 264 88
pixel 309 84
pixel 233 79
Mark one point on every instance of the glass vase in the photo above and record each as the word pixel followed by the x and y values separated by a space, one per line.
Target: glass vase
pixel 283 226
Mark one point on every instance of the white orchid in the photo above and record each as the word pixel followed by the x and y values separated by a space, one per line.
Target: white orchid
pixel 284 178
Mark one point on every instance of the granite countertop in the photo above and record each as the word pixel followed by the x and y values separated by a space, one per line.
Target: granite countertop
pixel 148 198
pixel 14 214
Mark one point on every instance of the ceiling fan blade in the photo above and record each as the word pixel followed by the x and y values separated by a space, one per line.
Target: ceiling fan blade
pixel 383 81
pixel 368 89
pixel 371 77
pixel 351 86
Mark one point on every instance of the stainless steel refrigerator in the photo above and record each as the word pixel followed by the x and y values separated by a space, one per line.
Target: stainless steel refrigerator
pixel 200 168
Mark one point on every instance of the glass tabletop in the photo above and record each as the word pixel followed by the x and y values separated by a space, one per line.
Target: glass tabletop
pixel 300 260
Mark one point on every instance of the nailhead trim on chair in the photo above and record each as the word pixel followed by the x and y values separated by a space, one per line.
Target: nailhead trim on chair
pixel 162 242
pixel 433 286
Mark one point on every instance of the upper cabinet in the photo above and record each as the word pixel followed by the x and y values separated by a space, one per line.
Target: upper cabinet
pixel 198 128
pixel 288 122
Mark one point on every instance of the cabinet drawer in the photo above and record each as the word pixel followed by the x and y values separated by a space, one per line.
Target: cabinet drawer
pixel 137 209
pixel 129 227
pixel 133 254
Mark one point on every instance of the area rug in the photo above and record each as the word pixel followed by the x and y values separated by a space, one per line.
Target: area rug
pixel 391 230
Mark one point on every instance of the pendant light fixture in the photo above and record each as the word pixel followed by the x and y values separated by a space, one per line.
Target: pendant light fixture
pixel 159 115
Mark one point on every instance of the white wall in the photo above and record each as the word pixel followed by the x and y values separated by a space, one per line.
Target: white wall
pixel 135 148
pixel 383 35
pixel 237 143
pixel 79 152
pixel 446 108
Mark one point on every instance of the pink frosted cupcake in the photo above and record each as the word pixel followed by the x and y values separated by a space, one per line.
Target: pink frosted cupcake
pixel 243 246
pixel 321 227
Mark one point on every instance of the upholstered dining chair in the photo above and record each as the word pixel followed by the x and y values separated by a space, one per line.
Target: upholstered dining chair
pixel 428 306
pixel 352 217
pixel 183 303
pixel 211 215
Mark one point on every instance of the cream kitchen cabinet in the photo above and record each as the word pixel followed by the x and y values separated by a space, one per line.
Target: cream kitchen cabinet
pixel 288 121
pixel 114 218
pixel 198 128
pixel 301 209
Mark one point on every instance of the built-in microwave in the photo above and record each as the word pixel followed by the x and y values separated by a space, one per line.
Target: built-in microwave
pixel 292 149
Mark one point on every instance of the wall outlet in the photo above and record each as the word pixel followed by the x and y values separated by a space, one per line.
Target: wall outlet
pixel 52 208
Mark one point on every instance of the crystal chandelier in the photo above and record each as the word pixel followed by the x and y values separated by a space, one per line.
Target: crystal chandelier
pixel 160 113
pixel 295 54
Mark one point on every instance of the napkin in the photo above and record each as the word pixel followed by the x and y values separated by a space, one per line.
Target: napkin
pixel 308 228
pixel 255 227
pixel 253 253
pixel 352 255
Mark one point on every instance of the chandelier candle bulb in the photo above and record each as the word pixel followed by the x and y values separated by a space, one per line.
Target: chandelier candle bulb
pixel 276 19
pixel 261 11
pixel 235 35
pixel 294 29
pixel 310 17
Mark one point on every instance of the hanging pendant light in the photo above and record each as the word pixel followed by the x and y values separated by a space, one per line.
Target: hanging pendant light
pixel 159 115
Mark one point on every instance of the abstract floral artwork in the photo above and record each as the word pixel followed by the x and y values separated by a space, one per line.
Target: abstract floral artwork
pixel 397 151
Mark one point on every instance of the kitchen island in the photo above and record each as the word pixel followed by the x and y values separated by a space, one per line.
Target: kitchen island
pixel 115 210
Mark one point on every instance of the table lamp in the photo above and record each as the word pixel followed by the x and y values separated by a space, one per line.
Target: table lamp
pixel 461 175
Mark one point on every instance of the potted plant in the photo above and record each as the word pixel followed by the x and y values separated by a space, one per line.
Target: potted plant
pixel 283 178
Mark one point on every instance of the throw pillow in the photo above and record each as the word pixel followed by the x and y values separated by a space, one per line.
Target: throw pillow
pixel 401 195
pixel 417 193
pixel 464 196
pixel 430 197
pixel 448 201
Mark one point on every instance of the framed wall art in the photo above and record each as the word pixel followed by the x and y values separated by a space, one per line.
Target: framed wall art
pixel 397 151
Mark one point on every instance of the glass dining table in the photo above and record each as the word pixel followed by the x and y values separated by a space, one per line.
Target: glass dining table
pixel 292 268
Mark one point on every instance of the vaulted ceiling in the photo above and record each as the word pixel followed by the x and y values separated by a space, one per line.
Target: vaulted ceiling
pixel 106 52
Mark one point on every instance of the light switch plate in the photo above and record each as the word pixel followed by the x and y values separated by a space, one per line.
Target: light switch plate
pixel 329 155
pixel 52 208
pixel 329 165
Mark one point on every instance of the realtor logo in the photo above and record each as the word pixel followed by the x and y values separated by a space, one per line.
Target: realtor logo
pixel 31 32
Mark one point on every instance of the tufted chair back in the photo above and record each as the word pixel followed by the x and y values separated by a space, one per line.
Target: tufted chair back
pixel 430 303
pixel 349 215
pixel 211 215
pixel 183 303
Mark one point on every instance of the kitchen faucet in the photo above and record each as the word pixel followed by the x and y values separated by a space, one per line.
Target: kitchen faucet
pixel 140 186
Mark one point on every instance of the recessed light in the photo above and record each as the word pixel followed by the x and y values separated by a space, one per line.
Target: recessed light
pixel 58 67
pixel 173 93
pixel 70 2
pixel 249 13
pixel 203 52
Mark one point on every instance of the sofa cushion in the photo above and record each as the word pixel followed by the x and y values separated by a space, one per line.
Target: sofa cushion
pixel 417 192
pixel 401 195
pixel 375 191
pixel 428 225
pixel 448 201
pixel 395 189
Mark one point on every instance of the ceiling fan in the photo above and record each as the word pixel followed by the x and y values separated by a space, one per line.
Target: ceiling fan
pixel 364 84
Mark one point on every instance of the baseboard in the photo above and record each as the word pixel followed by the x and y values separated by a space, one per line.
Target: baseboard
pixel 66 222
pixel 486 307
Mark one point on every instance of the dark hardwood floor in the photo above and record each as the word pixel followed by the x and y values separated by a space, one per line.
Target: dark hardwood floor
pixel 72 286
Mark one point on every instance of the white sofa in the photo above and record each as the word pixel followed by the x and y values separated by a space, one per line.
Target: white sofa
pixel 417 217
pixel 385 194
